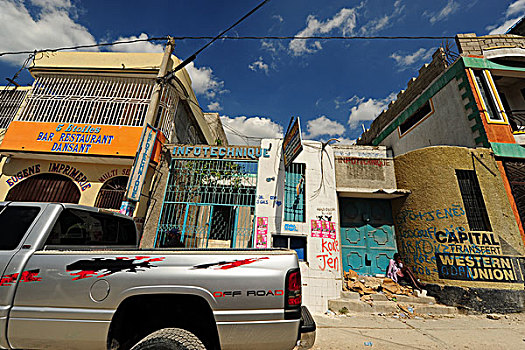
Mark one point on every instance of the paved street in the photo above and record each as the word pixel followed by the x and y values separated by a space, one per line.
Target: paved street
pixel 386 332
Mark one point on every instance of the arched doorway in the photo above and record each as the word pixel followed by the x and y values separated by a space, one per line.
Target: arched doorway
pixel 45 188
pixel 112 192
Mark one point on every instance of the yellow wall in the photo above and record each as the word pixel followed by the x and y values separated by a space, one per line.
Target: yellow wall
pixel 435 205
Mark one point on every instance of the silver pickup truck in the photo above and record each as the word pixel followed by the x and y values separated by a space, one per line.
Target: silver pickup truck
pixel 72 278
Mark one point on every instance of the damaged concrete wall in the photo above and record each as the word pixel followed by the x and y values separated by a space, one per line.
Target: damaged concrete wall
pixel 363 167
pixel 470 44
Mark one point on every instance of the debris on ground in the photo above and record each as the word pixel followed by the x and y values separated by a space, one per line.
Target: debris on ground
pixel 367 285
pixel 493 317
pixel 329 313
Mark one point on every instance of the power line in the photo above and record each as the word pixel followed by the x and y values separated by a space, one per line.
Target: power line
pixel 298 37
pixel 81 46
pixel 194 56
pixel 291 37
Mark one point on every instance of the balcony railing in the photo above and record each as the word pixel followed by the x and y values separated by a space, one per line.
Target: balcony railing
pixel 88 100
pixel 516 120
pixel 10 101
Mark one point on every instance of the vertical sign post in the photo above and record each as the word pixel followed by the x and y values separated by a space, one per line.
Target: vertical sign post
pixel 292 143
pixel 139 170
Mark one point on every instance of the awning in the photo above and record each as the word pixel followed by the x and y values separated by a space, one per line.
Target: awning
pixel 380 193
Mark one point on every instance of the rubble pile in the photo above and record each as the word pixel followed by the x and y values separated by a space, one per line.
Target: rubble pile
pixel 366 286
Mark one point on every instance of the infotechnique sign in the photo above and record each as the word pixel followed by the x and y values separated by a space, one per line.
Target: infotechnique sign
pixel 140 168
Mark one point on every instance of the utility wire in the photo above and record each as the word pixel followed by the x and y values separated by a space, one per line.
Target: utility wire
pixel 81 46
pixel 292 37
pixel 194 56
pixel 299 37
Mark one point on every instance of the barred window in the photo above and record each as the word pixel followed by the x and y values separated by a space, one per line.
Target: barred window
pixel 112 193
pixel 478 219
pixel 294 193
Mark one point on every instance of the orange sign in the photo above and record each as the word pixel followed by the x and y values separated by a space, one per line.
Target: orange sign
pixel 81 139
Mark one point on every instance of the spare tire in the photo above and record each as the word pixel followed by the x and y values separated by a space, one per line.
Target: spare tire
pixel 170 339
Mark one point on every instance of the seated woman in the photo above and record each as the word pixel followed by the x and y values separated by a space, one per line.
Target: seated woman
pixel 397 271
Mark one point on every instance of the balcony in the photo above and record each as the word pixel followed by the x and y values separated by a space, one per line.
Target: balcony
pixel 516 120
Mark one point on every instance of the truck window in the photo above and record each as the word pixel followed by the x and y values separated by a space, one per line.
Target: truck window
pixel 15 222
pixel 84 228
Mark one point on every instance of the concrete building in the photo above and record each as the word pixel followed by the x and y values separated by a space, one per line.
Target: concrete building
pixel 461 227
pixel 366 186
pixel 242 197
pixel 331 205
pixel 75 136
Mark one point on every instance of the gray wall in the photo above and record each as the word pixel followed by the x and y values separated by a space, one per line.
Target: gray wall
pixel 448 125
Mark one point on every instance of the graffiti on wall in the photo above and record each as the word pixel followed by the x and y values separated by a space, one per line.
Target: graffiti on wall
pixel 468 267
pixel 427 236
pixel 329 257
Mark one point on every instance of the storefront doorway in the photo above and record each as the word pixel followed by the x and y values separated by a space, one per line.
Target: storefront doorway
pixel 367 235
pixel 45 188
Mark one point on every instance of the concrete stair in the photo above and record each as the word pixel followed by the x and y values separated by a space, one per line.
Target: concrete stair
pixel 423 305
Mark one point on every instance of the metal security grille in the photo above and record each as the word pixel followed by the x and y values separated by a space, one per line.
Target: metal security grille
pixel 294 196
pixel 475 209
pixel 167 108
pixel 10 101
pixel 88 99
pixel 112 193
pixel 516 175
pixel 211 203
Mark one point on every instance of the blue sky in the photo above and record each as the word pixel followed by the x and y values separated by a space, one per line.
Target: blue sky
pixel 335 87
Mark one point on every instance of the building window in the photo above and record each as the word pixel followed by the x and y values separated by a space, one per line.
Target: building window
pixel 296 243
pixel 475 209
pixel 112 192
pixel 486 93
pixel 422 112
pixel 294 196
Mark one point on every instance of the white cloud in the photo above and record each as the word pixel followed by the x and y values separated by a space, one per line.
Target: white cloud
pixel 375 25
pixel 366 110
pixel 248 130
pixel 141 46
pixel 404 61
pixel 279 18
pixel 501 29
pixel 450 8
pixel 204 82
pixel 344 21
pixel 52 26
pixel 215 106
pixel 323 126
pixel 259 65
pixel 345 141
pixel 52 4
pixel 516 8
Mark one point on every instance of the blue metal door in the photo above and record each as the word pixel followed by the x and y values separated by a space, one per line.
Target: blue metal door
pixel 367 235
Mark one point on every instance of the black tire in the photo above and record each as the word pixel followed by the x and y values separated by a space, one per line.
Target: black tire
pixel 170 339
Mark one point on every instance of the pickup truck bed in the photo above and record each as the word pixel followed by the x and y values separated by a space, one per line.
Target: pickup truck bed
pixel 55 295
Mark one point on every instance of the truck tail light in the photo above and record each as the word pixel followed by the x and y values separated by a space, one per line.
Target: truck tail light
pixel 293 295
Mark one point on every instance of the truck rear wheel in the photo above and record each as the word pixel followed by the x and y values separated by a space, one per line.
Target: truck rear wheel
pixel 170 339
